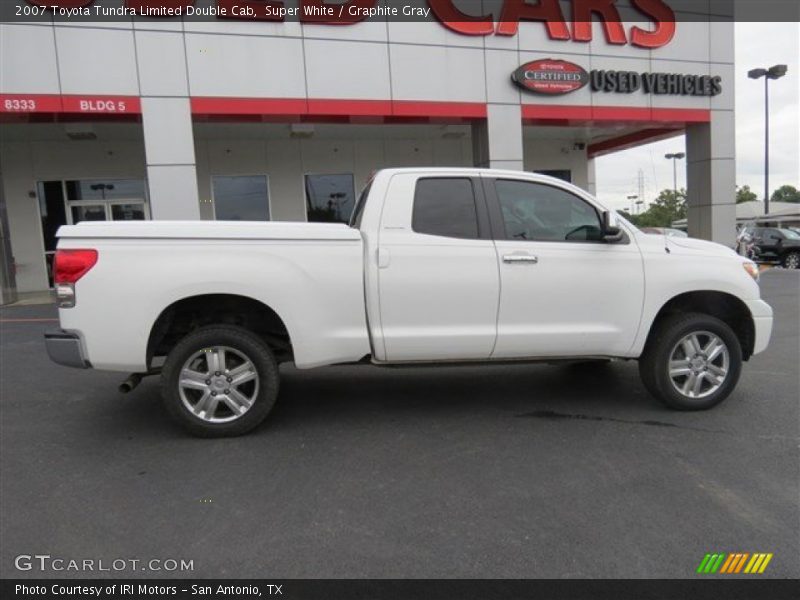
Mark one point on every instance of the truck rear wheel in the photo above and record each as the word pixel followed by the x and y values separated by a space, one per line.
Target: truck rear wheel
pixel 691 361
pixel 220 380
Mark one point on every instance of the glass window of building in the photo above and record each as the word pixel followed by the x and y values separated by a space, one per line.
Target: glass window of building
pixel 105 189
pixel 241 198
pixel 330 198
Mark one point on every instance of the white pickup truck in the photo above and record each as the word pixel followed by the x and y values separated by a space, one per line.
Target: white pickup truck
pixel 436 266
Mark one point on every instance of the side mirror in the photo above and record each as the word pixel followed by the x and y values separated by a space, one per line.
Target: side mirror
pixel 611 230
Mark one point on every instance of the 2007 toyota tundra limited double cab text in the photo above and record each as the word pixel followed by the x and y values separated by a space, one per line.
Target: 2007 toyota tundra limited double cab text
pixel 436 266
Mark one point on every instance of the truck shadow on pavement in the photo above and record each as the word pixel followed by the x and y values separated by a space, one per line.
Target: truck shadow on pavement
pixel 342 395
pixel 423 394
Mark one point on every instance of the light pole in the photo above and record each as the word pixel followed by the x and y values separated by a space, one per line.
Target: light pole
pixel 774 72
pixel 632 198
pixel 674 158
pixel 102 187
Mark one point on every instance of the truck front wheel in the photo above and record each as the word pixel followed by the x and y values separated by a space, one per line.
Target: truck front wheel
pixel 219 381
pixel 792 260
pixel 691 361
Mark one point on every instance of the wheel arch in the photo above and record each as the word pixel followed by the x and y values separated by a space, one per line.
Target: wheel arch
pixel 191 312
pixel 722 305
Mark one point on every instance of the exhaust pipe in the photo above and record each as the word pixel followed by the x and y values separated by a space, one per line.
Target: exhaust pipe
pixel 135 379
pixel 130 383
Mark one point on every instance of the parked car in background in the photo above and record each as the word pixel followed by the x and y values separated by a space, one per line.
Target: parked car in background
pixel 668 231
pixel 778 244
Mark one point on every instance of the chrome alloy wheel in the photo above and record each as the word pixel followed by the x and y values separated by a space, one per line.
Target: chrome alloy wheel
pixel 218 384
pixel 699 364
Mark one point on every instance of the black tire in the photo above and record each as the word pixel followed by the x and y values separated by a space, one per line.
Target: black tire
pixel 207 339
pixel 791 260
pixel 654 361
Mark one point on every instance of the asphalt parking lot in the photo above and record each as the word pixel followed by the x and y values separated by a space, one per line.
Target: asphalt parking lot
pixel 506 471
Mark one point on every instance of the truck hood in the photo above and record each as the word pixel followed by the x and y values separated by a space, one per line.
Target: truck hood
pixel 694 246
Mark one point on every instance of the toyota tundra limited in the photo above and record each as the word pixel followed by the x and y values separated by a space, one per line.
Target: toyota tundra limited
pixel 436 266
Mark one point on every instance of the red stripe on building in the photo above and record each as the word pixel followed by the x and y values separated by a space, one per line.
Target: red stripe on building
pixel 544 113
pixel 212 106
pixel 355 108
pixel 462 110
pixel 334 107
pixel 55 104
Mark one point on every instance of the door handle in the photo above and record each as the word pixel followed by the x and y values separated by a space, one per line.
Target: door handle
pixel 520 258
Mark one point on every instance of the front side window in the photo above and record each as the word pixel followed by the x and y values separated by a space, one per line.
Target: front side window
pixel 535 211
pixel 445 206
pixel 241 198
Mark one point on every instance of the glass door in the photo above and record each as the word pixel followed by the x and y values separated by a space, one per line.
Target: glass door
pixel 108 210
pixel 128 210
pixel 87 210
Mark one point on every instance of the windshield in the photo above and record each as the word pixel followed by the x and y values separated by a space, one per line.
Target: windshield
pixel 790 234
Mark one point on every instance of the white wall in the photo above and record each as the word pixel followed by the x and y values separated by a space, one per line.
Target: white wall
pixel 557 154
pixel 286 161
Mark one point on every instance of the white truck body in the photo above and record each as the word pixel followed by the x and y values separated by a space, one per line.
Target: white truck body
pixel 382 290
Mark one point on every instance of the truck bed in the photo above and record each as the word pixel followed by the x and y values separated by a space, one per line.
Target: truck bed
pixel 311 274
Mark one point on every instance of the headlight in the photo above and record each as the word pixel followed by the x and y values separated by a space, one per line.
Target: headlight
pixel 752 269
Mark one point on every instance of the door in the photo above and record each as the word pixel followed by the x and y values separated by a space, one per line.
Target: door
pixel 437 270
pixel 769 241
pixel 86 211
pixel 128 210
pixel 565 291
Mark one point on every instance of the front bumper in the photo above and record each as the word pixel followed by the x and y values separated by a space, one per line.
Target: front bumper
pixel 762 322
pixel 65 349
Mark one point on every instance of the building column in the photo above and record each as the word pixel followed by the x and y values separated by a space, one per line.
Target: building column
pixel 169 151
pixel 497 141
pixel 591 177
pixel 711 178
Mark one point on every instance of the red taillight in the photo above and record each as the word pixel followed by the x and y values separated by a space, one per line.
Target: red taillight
pixel 71 265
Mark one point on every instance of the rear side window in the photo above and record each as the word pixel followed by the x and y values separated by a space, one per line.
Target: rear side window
pixel 445 206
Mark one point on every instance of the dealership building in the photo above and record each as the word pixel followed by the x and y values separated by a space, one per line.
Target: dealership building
pixel 202 117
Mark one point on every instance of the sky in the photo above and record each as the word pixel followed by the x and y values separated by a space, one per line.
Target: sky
pixel 757 45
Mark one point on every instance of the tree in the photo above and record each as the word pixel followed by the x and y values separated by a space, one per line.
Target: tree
pixel 745 194
pixel 668 207
pixel 786 193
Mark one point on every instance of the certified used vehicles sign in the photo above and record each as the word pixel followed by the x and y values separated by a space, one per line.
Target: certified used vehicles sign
pixel 550 76
pixel 554 77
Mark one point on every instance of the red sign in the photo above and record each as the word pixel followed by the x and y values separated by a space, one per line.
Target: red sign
pixel 102 105
pixel 53 103
pixel 504 20
pixel 550 76
pixel 30 103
